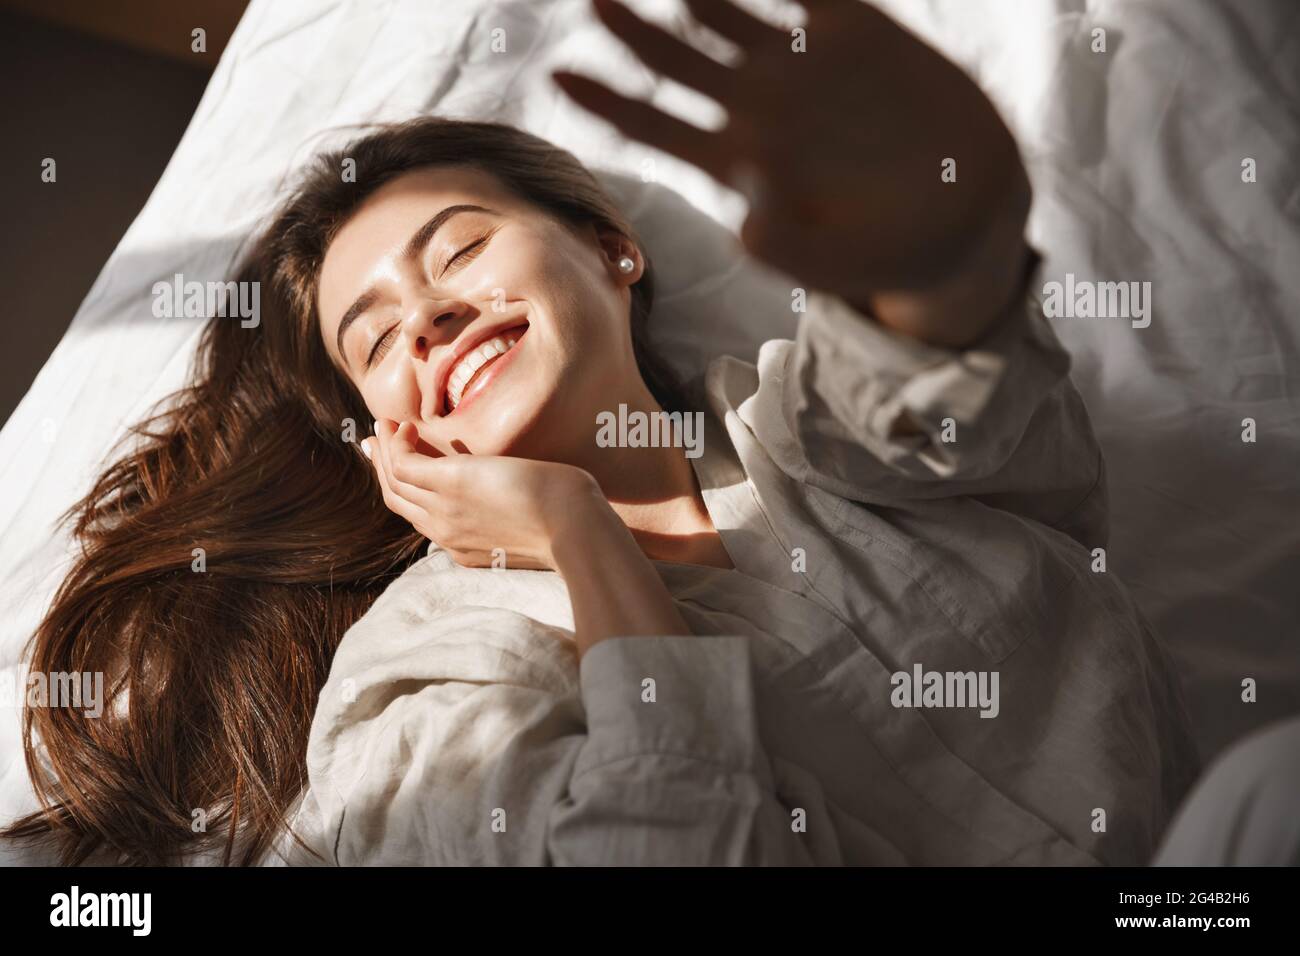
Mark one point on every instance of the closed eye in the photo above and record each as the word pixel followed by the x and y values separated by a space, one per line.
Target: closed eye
pixel 468 253
pixel 465 255
pixel 384 342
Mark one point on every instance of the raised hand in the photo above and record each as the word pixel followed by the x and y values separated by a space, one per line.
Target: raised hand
pixel 842 148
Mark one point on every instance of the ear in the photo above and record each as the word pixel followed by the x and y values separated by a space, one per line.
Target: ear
pixel 615 247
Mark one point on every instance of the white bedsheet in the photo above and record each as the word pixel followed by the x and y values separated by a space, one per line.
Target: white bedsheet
pixel 1135 154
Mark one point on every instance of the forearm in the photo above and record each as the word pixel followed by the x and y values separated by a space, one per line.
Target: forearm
pixel 614 589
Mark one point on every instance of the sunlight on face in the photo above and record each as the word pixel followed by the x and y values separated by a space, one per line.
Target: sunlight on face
pixel 453 304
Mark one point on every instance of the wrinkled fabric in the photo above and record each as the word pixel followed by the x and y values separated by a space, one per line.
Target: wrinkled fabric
pixel 886 504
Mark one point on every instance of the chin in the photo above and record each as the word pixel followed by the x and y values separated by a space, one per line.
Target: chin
pixel 523 437
pixel 491 428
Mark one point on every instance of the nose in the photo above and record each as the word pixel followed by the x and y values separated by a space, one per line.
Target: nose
pixel 431 322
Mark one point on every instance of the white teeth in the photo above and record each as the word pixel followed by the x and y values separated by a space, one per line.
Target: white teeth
pixel 464 369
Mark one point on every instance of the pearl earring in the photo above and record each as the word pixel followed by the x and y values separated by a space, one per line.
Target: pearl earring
pixel 626 265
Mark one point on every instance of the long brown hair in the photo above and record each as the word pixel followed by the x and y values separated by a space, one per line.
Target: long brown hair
pixel 211 676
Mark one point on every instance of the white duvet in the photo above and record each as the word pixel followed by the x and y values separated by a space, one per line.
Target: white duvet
pixel 1136 155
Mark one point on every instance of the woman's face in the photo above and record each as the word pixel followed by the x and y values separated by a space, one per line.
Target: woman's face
pixel 452 304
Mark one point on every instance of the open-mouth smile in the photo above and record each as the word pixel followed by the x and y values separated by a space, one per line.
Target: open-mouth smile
pixel 475 367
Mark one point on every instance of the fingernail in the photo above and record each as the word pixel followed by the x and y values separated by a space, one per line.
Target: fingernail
pixel 365 448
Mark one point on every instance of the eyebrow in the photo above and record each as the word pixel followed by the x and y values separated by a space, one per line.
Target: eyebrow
pixel 414 245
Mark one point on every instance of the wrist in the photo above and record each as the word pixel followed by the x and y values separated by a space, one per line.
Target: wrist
pixel 614 589
pixel 963 302
pixel 581 523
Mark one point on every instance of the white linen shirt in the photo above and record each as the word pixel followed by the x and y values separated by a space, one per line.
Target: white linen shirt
pixel 457 726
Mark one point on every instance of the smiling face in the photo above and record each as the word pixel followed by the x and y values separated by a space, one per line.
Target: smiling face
pixel 452 303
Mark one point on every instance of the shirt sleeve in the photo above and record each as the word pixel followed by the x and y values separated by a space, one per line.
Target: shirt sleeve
pixel 672 771
pixel 482 748
pixel 882 418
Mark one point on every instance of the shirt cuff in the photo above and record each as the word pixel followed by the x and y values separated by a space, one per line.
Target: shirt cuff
pixel 871 379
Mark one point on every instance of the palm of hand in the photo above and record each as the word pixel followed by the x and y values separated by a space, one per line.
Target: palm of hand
pixel 839 136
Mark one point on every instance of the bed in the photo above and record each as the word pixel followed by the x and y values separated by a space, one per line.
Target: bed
pixel 1136 138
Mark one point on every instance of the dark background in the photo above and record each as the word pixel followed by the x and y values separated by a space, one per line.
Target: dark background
pixel 105 88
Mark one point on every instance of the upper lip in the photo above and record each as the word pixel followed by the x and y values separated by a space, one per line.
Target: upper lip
pixel 471 338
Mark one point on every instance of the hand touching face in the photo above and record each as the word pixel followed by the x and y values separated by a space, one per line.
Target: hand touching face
pixel 481 509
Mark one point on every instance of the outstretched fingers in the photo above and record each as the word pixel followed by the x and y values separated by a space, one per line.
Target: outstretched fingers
pixel 646 123
pixel 739 26
pixel 665 53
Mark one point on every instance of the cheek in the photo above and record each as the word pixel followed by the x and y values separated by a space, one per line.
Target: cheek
pixel 391 391
pixel 585 306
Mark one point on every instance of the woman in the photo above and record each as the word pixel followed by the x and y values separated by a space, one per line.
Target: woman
pixel 624 654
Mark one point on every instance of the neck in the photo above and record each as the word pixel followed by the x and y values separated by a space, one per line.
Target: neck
pixel 655 492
